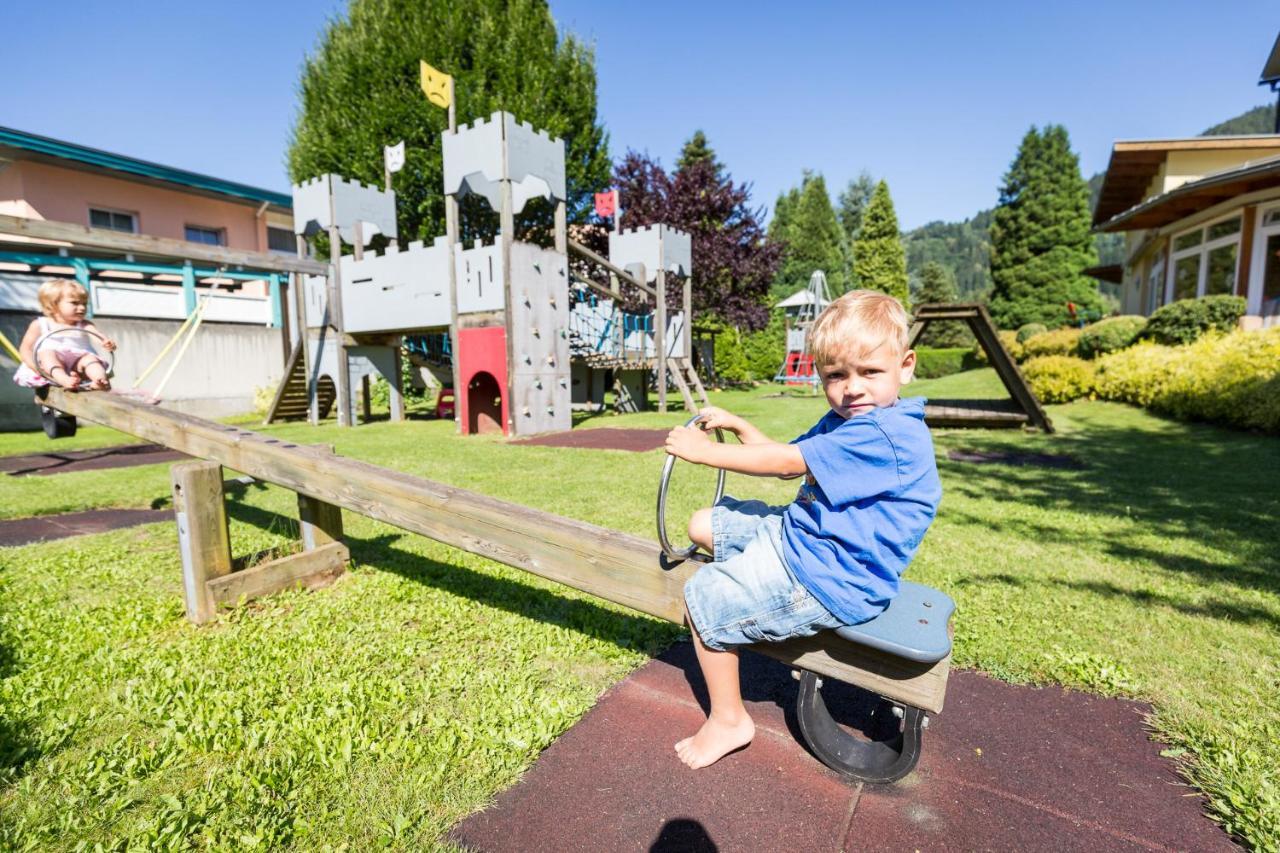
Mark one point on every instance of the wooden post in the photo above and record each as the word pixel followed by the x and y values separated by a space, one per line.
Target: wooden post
pixel 660 332
pixel 319 523
pixel 451 231
pixel 203 540
pixel 300 307
pixel 343 379
pixel 397 383
pixel 686 305
pixel 365 402
pixel 507 226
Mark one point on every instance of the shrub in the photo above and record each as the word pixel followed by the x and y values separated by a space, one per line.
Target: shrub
pixel 1231 379
pixel 936 362
pixel 1109 335
pixel 1010 341
pixel 1030 330
pixel 1186 320
pixel 1059 378
pixel 1057 342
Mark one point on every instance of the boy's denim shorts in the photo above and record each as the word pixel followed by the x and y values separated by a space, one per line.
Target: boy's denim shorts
pixel 749 595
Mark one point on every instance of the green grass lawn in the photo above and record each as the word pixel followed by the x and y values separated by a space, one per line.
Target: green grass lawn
pixel 380 711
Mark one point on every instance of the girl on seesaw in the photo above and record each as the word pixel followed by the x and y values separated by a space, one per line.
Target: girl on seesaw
pixel 69 356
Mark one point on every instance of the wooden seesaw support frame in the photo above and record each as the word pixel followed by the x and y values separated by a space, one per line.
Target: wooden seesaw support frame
pixel 612 565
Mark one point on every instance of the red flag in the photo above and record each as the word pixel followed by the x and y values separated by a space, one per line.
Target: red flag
pixel 606 204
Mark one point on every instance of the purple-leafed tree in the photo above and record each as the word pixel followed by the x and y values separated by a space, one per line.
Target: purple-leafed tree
pixel 733 259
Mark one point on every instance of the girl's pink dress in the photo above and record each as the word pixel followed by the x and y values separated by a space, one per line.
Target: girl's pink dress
pixel 68 348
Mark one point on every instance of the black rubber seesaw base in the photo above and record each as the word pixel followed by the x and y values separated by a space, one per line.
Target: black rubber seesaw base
pixel 874 761
pixel 55 423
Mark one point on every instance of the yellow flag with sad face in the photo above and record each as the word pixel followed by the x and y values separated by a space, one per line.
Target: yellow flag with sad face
pixel 436 85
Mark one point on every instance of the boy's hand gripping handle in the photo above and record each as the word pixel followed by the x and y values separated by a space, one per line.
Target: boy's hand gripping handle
pixel 685 553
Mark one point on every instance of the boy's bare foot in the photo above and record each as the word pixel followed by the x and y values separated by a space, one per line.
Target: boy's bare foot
pixel 714 741
pixel 102 384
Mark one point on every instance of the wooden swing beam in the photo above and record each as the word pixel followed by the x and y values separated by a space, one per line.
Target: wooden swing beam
pixel 612 565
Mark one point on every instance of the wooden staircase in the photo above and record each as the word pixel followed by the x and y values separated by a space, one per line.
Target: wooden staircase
pixel 290 402
pixel 686 379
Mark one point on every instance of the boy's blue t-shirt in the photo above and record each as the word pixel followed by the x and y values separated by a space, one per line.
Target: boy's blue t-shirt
pixel 860 516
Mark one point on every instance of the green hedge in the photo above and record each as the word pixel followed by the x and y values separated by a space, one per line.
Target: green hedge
pixel 1030 330
pixel 1109 335
pixel 1057 342
pixel 1186 320
pixel 1231 378
pixel 937 362
pixel 743 357
pixel 1060 378
pixel 1010 341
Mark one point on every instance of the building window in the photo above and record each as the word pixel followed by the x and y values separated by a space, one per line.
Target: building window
pixel 1204 260
pixel 113 220
pixel 208 236
pixel 281 240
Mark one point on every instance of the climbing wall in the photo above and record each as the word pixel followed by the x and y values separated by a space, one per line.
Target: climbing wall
pixel 538 321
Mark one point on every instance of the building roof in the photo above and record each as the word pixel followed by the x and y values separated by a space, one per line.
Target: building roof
pixel 1195 196
pixel 44 148
pixel 1271 71
pixel 1135 162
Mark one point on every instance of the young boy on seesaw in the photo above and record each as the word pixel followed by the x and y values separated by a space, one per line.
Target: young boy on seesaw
pixel 832 556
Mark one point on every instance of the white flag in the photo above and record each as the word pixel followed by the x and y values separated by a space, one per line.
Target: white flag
pixel 393 156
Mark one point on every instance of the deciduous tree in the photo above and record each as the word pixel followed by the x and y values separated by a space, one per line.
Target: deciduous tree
pixel 733 260
pixel 360 91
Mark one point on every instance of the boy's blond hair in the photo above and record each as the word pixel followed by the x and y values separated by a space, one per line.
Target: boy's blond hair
pixel 858 323
pixel 53 289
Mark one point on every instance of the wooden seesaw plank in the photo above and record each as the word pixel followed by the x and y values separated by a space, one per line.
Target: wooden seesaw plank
pixel 616 566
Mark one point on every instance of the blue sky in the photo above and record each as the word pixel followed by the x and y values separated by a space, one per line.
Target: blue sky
pixel 934 97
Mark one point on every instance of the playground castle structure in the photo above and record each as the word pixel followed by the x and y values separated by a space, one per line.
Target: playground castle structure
pixel 521 334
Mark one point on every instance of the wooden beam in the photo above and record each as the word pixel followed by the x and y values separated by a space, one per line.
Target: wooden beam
pixel 310 569
pixel 582 251
pixel 162 247
pixel 616 566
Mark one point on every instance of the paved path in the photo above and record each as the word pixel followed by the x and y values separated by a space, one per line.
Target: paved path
pixel 20 531
pixel 86 460
pixel 1003 768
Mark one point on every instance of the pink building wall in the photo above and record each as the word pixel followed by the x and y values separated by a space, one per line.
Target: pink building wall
pixel 65 195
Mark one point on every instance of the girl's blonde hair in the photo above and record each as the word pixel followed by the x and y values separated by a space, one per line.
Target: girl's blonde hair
pixel 858 323
pixel 53 289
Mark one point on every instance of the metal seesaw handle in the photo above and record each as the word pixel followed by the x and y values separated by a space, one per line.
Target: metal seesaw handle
pixel 684 553
pixel 109 355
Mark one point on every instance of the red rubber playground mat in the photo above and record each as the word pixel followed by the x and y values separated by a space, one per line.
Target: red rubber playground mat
pixel 604 438
pixel 1003 768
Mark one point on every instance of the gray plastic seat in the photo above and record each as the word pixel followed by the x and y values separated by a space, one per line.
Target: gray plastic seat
pixel 913 626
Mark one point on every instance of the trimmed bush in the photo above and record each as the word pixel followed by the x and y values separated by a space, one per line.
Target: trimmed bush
pixel 1186 320
pixel 1109 335
pixel 936 362
pixel 1059 378
pixel 1030 330
pixel 1057 342
pixel 1010 341
pixel 1231 379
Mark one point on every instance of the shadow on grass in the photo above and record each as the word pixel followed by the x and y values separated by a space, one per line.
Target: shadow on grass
pixel 1186 484
pixel 764 680
pixel 380 552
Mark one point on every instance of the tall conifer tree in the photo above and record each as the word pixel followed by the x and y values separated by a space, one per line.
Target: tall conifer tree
pixel 806 222
pixel 360 91
pixel 938 285
pixel 1040 240
pixel 879 260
